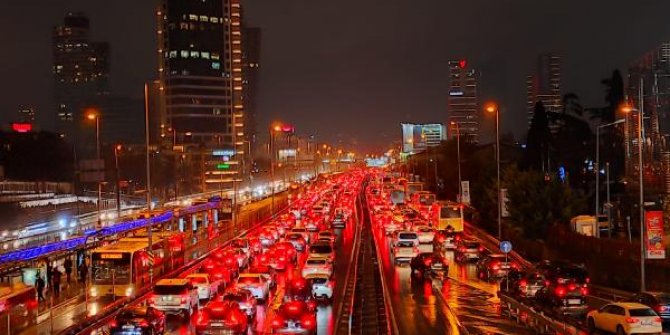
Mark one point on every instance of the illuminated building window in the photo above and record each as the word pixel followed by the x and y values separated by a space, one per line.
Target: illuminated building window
pixel 214 19
pixel 195 54
pixel 204 55
pixel 216 65
pixel 173 54
pixel 215 56
pixel 204 18
pixel 184 54
pixel 183 25
pixel 193 17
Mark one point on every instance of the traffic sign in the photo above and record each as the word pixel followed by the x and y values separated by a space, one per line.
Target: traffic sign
pixel 505 246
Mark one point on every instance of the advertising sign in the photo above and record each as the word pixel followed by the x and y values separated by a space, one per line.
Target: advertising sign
pixel 504 210
pixel 654 237
pixel 465 188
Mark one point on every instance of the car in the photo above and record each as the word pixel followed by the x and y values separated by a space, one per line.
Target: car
pixel 175 296
pixel 494 266
pixel 326 235
pixel 297 240
pixel 312 224
pixel 565 299
pixel 297 288
pixel 266 238
pixel 206 285
pixel 255 283
pixel 302 231
pixel 406 236
pixel 243 297
pixel 226 258
pixel 322 249
pixel 392 225
pixel 320 265
pixel 522 284
pixel 287 249
pixel 468 250
pixel 428 262
pixel 268 272
pixel 138 320
pixel 659 301
pixel 624 318
pixel 294 317
pixel 322 286
pixel 404 251
pixel 241 243
pixel 275 258
pixel 339 219
pixel 446 240
pixel 426 234
pixel 221 317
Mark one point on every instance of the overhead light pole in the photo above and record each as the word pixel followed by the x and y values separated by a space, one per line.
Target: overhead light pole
pixel 492 107
pixel 94 115
pixel 458 159
pixel 148 176
pixel 597 163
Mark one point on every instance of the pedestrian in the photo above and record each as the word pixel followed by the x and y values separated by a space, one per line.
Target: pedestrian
pixel 83 272
pixel 49 274
pixel 40 284
pixel 68 268
pixel 56 282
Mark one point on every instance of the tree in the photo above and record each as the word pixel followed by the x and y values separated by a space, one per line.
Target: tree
pixel 536 203
pixel 573 141
pixel 538 141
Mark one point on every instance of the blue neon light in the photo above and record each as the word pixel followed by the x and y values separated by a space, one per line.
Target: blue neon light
pixel 36 252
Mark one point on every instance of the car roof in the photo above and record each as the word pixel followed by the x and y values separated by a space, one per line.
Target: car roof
pixel 175 281
pixel 317 275
pixel 629 305
pixel 250 275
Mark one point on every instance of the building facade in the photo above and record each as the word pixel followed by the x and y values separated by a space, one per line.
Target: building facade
pixel 417 137
pixel 251 61
pixel 81 74
pixel 544 85
pixel 463 105
pixel 201 86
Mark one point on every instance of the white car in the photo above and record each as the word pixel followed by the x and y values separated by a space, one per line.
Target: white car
pixel 206 287
pixel 406 236
pixel 311 225
pixel 624 318
pixel 255 283
pixel 317 265
pixel 322 249
pixel 322 285
pixel 175 296
pixel 404 251
pixel 426 234
pixel 303 231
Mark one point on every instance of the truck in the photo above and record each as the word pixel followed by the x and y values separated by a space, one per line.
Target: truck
pixel 584 224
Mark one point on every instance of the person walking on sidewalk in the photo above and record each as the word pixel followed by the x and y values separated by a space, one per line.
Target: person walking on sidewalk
pixel 83 272
pixel 56 282
pixel 68 268
pixel 40 284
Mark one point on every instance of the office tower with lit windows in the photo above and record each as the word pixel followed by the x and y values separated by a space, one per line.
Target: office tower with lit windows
pixel 462 101
pixel 81 73
pixel 251 60
pixel 201 80
pixel 544 85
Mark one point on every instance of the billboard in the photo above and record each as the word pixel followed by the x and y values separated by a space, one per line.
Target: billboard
pixel 654 235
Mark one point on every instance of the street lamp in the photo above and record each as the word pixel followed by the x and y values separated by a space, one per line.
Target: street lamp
pixel 458 158
pixel 492 107
pixel 274 129
pixel 597 163
pixel 629 109
pixel 94 115
pixel 117 148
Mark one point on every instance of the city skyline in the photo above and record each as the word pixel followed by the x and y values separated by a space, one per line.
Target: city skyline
pixel 303 97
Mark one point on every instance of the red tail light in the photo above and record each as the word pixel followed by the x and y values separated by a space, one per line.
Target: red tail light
pixel 32 304
pixel 584 290
pixel 588 280
pixel 461 249
pixel 183 300
pixel 572 287
pixel 632 320
pixel 495 266
pixel 202 319
pixel 560 291
pixel 523 283
pixel 278 322
pixel 457 238
pixel 311 305
pixel 144 323
pixel 113 323
pixel 660 308
pixel 658 320
pixel 308 321
pixel 427 261
pixel 481 248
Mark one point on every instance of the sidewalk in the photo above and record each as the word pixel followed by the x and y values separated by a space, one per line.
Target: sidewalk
pixel 67 292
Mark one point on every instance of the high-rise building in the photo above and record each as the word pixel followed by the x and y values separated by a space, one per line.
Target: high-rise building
pixel 27 115
pixel 201 79
pixel 462 101
pixel 251 61
pixel 544 85
pixel 81 73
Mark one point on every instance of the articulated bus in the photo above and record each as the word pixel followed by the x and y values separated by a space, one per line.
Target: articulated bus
pixel 449 215
pixel 122 268
pixel 18 308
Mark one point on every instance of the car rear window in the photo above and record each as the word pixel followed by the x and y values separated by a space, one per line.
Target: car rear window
pixel 578 274
pixel 319 280
pixel 234 297
pixel 170 289
pixel 642 312
pixel 320 249
pixel 249 280
pixel 404 244
pixel 407 236
pixel 470 245
pixel 131 314
pixel 316 262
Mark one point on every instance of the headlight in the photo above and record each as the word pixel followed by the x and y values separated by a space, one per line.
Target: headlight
pixel 93 291
pixel 129 292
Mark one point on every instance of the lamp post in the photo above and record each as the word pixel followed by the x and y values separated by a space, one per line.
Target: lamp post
pixel 273 130
pixel 629 109
pixel 148 175
pixel 492 107
pixel 458 158
pixel 94 115
pixel 597 163
pixel 117 148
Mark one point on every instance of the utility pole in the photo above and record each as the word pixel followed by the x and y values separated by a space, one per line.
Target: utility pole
pixel 148 175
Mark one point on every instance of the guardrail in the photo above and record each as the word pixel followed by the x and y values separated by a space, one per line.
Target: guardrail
pixel 535 319
pixel 99 324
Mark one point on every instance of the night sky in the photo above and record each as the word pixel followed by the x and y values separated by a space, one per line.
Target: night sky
pixel 355 69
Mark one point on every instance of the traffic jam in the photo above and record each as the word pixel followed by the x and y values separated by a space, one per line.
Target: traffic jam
pixel 430 254
pixel 277 278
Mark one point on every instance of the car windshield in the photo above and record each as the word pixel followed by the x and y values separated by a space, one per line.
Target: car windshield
pixel 407 236
pixel 316 262
pixel 320 249
pixel 170 289
pixel 234 297
pixel 642 312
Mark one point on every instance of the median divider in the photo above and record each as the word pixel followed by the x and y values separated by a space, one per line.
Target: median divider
pixel 98 324
pixel 536 319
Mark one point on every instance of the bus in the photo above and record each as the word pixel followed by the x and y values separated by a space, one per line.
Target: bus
pixel 449 216
pixel 18 308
